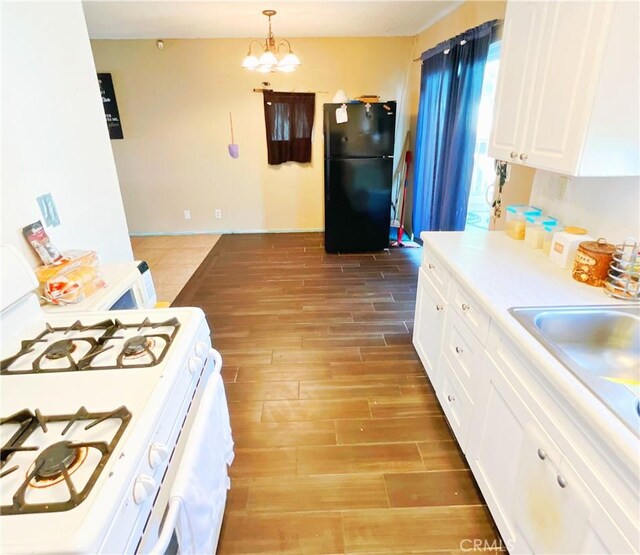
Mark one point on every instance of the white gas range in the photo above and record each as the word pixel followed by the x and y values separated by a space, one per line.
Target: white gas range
pixel 95 417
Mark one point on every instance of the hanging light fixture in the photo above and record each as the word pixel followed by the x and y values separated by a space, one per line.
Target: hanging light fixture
pixel 276 54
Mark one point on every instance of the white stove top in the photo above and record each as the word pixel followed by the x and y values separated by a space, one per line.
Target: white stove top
pixel 145 387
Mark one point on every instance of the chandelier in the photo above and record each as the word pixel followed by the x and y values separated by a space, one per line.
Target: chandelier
pixel 276 54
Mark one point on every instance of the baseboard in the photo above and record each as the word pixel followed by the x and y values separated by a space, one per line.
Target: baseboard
pixel 222 232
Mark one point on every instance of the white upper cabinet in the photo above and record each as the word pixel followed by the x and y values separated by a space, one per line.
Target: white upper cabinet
pixel 568 88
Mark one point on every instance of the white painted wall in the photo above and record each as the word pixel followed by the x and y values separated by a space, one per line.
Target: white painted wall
pixel 54 135
pixel 607 206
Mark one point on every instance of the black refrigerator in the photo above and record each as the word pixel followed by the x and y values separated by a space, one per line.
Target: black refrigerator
pixel 358 173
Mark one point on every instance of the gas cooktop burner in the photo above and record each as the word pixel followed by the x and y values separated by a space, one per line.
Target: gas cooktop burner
pixel 137 346
pixel 59 473
pixel 60 349
pixel 55 460
pixel 107 345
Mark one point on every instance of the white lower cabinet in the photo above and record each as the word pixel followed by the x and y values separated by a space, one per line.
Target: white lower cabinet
pixel 549 487
pixel 541 504
pixel 428 326
pixel 455 402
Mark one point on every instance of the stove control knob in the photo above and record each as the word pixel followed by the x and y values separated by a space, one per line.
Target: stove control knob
pixel 194 364
pixel 201 348
pixel 158 454
pixel 143 488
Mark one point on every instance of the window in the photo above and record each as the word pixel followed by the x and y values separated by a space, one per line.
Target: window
pixel 483 178
pixel 289 124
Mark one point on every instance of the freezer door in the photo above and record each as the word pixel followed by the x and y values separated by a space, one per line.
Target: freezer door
pixel 369 132
pixel 357 204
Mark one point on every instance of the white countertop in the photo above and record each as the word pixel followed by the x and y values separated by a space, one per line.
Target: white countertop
pixel 503 273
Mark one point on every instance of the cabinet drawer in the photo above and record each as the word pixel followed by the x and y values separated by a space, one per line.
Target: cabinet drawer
pixel 455 402
pixel 464 352
pixel 470 311
pixel 435 272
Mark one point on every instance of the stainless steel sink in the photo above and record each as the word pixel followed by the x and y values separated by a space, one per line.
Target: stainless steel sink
pixel 600 345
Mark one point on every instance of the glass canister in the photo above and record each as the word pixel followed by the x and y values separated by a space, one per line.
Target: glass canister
pixel 516 219
pixel 534 231
pixel 549 230
pixel 591 264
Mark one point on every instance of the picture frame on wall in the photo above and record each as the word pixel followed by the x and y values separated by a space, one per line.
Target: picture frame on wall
pixel 110 105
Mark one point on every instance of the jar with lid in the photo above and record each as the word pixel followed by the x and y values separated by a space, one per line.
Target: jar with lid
pixel 565 244
pixel 535 229
pixel 515 219
pixel 591 264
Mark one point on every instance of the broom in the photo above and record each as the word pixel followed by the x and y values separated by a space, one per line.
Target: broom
pixel 408 158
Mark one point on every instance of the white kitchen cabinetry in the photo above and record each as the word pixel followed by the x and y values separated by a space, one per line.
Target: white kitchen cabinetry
pixel 524 465
pixel 552 484
pixel 568 88
pixel 449 330
pixel 427 331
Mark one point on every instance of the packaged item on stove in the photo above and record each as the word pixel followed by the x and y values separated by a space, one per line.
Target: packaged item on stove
pixel 591 264
pixel 71 259
pixel 73 280
pixel 73 286
pixel 39 240
pixel 565 244
pixel 516 219
pixel 534 231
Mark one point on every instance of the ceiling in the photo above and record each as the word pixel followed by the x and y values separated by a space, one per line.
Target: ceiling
pixel 138 19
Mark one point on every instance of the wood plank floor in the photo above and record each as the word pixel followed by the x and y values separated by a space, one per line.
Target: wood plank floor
pixel 341 446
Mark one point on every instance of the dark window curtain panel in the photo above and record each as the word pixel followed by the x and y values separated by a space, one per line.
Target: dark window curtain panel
pixel 450 89
pixel 289 124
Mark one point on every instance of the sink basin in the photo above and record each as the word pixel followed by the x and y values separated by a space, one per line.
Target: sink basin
pixel 600 345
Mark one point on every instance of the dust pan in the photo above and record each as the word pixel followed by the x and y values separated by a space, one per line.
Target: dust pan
pixel 234 149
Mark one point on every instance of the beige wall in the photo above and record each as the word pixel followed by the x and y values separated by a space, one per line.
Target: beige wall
pixel 174 106
pixel 468 15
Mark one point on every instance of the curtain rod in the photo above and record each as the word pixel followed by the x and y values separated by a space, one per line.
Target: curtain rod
pixel 271 90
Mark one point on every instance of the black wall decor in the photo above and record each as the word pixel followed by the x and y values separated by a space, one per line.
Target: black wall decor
pixel 110 106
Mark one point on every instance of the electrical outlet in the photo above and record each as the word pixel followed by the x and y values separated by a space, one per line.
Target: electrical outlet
pixel 187 214
pixel 218 214
pixel 561 188
pixel 48 210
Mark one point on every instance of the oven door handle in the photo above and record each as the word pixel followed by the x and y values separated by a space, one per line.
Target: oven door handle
pixel 168 526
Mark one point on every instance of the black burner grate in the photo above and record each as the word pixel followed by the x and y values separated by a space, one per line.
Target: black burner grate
pixel 65 348
pixel 56 458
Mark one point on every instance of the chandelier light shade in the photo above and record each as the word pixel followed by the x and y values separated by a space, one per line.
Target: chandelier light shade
pixel 272 55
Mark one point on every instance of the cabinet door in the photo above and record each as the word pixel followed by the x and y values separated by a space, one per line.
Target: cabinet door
pixel 573 40
pixel 495 443
pixel 428 325
pixel 551 509
pixel 518 59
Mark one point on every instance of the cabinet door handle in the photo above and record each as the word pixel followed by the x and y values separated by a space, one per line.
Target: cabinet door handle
pixel 465 307
pixel 523 157
pixel 439 307
pixel 562 482
pixel 542 454
pixel 451 398
pixel 513 155
pixel 431 266
pixel 459 350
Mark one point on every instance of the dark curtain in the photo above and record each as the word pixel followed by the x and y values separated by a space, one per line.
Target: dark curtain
pixel 289 123
pixel 450 88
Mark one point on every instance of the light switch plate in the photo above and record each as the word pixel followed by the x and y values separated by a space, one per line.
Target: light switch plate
pixel 48 210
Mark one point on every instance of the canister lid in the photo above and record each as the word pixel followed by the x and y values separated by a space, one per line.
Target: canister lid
pixel 599 247
pixel 523 209
pixel 575 230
